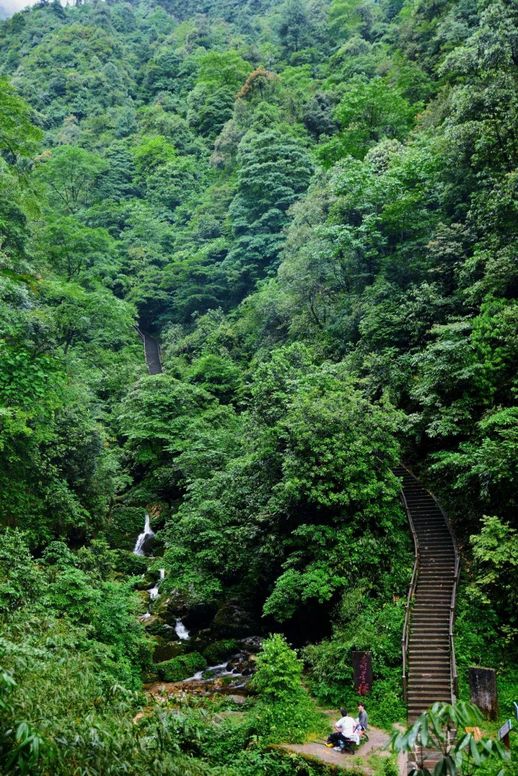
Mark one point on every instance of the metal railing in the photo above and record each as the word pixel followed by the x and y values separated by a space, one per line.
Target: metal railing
pixel 454 678
pixel 411 593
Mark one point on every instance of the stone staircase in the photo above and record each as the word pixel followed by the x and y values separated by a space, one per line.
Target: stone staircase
pixel 429 669
pixel 151 352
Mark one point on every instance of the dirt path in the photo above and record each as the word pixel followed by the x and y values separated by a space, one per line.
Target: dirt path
pixel 315 751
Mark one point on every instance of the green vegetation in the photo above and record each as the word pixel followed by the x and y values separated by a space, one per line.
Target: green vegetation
pixel 311 205
pixel 451 730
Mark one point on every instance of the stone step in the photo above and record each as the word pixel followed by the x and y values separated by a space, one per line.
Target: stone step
pixel 440 677
pixel 433 535
pixel 442 585
pixel 419 686
pixel 435 682
pixel 440 588
pixel 441 627
pixel 424 700
pixel 420 611
pixel 424 604
pixel 441 591
pixel 421 507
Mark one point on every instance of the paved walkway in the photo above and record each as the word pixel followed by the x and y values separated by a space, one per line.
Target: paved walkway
pixel 378 743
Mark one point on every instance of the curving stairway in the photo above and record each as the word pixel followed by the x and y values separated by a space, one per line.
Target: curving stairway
pixel 429 670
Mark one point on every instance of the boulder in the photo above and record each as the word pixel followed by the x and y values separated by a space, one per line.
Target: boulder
pixel 232 621
pixel 243 663
pixel 166 650
pixel 251 643
pixel 181 667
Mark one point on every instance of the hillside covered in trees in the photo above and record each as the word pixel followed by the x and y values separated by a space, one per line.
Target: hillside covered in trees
pixel 311 205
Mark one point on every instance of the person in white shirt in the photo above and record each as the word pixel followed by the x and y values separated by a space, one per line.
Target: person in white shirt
pixel 345 734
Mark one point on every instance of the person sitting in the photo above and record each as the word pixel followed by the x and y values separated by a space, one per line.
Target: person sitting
pixel 363 719
pixel 345 736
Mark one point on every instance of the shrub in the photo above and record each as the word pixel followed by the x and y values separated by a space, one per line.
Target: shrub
pixel 284 710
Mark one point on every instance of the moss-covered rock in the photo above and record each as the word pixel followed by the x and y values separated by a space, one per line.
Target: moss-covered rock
pixel 181 667
pixel 166 650
pixel 124 525
pixel 219 650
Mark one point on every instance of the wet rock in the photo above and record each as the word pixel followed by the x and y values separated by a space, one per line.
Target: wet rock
pixel 144 600
pixel 243 663
pixel 173 606
pixel 217 651
pixel 149 546
pixel 149 622
pixel 199 617
pixel 231 620
pixel 146 581
pixel 181 667
pixel 252 643
pixel 165 650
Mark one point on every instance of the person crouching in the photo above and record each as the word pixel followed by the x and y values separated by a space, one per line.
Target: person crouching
pixel 344 736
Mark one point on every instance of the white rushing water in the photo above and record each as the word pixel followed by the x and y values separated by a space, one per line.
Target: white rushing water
pixel 146 534
pixel 181 630
pixel 212 672
pixel 154 591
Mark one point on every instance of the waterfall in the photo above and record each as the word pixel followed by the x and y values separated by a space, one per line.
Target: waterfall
pixel 143 537
pixel 181 630
pixel 154 591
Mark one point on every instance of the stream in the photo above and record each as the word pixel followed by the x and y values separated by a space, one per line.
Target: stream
pixel 235 671
pixel 154 592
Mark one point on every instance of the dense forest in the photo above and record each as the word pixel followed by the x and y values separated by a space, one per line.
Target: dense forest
pixel 311 206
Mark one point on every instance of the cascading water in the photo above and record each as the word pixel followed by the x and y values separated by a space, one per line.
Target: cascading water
pixel 181 630
pixel 213 672
pixel 143 537
pixel 153 594
pixel 154 591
